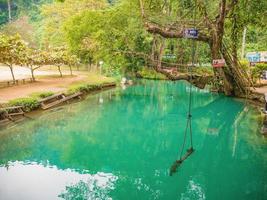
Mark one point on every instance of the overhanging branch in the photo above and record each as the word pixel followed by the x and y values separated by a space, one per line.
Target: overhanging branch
pixel 170 32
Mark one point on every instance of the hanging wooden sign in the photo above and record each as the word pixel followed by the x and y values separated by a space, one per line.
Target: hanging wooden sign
pixel 218 63
pixel 190 33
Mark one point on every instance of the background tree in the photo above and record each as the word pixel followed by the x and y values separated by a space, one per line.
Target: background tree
pixel 12 52
pixel 36 59
pixel 56 14
pixel 70 60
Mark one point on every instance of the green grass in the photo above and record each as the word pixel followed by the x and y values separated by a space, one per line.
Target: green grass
pixel 28 103
pixel 83 88
pixel 93 78
pixel 53 76
pixel 92 82
pixel 41 95
pixel 147 73
pixel 203 71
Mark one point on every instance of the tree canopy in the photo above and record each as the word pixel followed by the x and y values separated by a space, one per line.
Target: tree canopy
pixel 128 38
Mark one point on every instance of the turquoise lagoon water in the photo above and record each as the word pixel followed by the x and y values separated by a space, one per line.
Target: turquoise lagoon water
pixel 120 144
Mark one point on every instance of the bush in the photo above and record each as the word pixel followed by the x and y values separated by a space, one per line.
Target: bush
pixel 245 64
pixel 83 88
pixel 28 104
pixel 203 70
pixel 258 70
pixel 261 66
pixel 41 95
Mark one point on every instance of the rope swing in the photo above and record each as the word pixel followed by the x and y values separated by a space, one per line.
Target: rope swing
pixel 183 156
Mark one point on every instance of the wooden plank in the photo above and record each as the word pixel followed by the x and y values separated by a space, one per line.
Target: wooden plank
pixel 72 96
pixel 108 84
pixel 15 114
pixel 12 108
pixel 50 105
pixel 4 120
pixel 177 163
pixel 51 97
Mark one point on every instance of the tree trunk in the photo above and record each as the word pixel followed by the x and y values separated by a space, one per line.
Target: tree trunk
pixel 9 10
pixel 32 72
pixel 90 65
pixel 229 77
pixel 12 73
pixel 70 70
pixel 59 69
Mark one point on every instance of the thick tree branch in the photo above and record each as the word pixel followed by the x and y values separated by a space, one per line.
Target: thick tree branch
pixel 222 13
pixel 170 32
pixel 225 9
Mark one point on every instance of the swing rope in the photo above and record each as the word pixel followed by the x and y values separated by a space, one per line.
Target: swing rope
pixel 183 156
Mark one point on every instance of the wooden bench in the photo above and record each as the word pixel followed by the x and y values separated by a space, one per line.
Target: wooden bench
pixel 57 99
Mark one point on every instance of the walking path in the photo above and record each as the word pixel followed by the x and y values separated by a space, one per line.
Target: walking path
pixel 42 85
pixel 47 80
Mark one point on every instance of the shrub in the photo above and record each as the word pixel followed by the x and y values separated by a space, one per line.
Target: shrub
pixel 83 88
pixel 261 66
pixel 245 64
pixel 257 71
pixel 28 104
pixel 41 95
pixel 203 70
pixel 77 88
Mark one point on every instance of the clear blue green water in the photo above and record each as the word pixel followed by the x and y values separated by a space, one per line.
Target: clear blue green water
pixel 120 144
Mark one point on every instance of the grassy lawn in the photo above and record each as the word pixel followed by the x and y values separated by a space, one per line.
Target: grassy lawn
pixel 93 78
pixel 91 82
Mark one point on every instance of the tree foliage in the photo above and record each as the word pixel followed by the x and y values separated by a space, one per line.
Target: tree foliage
pixel 14 51
pixel 114 32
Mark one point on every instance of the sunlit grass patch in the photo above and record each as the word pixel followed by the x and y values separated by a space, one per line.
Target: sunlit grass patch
pixel 28 103
pixel 147 73
pixel 41 95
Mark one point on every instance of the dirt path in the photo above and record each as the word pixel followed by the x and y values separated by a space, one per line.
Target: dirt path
pixel 42 85
pixel 261 90
pixel 24 72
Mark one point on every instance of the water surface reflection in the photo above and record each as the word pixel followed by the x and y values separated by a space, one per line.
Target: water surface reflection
pixel 42 181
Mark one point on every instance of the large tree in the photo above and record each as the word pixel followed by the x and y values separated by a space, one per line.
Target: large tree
pixel 211 26
pixel 12 52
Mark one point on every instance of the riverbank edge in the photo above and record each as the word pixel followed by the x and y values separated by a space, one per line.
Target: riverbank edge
pixel 105 86
pixel 38 110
